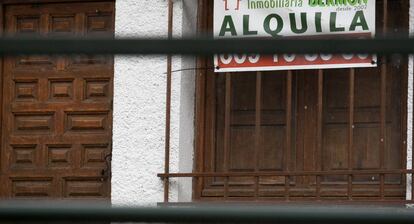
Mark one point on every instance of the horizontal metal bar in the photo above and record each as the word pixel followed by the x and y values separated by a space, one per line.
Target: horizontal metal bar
pixel 218 213
pixel 297 199
pixel 307 201
pixel 204 46
pixel 287 173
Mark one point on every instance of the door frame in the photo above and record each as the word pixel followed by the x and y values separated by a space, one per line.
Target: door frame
pixel 200 114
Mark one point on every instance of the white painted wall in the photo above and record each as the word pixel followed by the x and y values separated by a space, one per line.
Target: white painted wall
pixel 410 107
pixel 139 106
pixel 187 109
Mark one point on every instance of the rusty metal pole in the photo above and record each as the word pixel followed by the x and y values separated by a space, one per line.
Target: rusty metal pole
pixel 168 106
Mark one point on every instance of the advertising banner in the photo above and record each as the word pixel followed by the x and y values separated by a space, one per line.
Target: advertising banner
pixel 306 19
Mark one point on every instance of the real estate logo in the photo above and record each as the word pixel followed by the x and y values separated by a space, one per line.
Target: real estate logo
pixel 293 19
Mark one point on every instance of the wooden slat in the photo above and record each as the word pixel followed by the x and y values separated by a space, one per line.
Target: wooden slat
pixel 288 130
pixel 2 187
pixel 227 114
pixel 256 187
pixel 350 192
pixel 351 116
pixel 319 120
pixel 318 187
pixel 383 102
pixel 287 180
pixel 258 110
pixel 200 130
pixel 201 95
pixel 319 133
pixel 226 187
pixel 351 126
pixel 382 183
pixel 288 119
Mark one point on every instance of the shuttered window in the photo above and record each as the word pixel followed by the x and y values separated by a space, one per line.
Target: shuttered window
pixel 337 134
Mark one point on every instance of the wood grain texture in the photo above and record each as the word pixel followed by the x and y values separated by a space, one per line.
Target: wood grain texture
pixel 57 110
pixel 335 121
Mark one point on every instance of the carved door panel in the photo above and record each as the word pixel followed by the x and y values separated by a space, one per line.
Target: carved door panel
pixel 57 109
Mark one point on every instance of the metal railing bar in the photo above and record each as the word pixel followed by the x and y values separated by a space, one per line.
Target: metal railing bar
pixel 288 130
pixel 203 46
pixel 281 200
pixel 227 131
pixel 290 173
pixel 383 104
pixel 257 134
pixel 168 105
pixel 206 214
pixel 320 122
pixel 351 128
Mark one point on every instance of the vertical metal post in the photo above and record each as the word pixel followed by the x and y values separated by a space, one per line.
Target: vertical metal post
pixel 257 133
pixel 383 104
pixel 351 128
pixel 227 117
pixel 319 132
pixel 288 130
pixel 168 106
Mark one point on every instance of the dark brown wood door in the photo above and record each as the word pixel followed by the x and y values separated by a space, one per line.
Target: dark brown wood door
pixel 309 120
pixel 57 109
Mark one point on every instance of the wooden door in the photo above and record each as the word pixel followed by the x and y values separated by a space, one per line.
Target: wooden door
pixel 57 109
pixel 308 120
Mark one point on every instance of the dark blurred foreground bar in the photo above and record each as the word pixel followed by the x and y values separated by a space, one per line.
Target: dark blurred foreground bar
pixel 204 46
pixel 205 214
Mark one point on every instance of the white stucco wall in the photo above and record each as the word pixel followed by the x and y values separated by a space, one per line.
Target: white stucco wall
pixel 410 107
pixel 187 107
pixel 139 106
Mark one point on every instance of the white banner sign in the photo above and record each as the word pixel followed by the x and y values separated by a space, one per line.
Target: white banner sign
pixel 293 19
